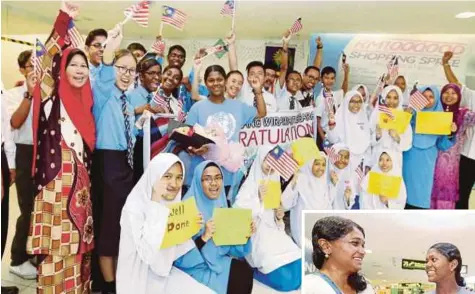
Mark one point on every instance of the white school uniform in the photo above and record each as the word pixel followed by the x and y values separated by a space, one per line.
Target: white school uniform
pixel 346 178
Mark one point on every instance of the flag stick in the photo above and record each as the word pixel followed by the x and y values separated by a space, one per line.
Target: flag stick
pixel 129 17
pixel 234 16
pixel 161 29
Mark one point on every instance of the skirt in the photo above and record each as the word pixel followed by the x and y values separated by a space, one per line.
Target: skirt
pixel 113 181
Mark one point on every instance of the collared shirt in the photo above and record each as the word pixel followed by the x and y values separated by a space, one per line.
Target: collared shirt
pixel 7 140
pixel 284 99
pixel 247 96
pixel 13 99
pixel 468 101
pixel 139 97
pixel 93 71
pixel 107 110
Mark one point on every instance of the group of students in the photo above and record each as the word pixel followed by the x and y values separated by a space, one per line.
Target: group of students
pixel 90 200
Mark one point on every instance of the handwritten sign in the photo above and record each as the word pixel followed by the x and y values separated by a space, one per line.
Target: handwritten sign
pixel 233 226
pixel 305 149
pixel 399 123
pixel 434 123
pixel 273 194
pixel 182 223
pixel 384 185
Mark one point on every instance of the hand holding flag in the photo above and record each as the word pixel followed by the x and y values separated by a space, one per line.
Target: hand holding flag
pixel 158 46
pixel 139 13
pixel 282 162
pixel 297 26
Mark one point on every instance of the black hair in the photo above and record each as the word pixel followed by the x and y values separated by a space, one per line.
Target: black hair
pixel 136 46
pixel 147 62
pixel 23 58
pixel 333 228
pixel 176 67
pixel 254 64
pixel 93 34
pixel 328 70
pixel 210 164
pixel 308 68
pixel 217 68
pixel 291 72
pixel 451 252
pixel 177 47
pixel 75 52
pixel 234 72
pixel 271 66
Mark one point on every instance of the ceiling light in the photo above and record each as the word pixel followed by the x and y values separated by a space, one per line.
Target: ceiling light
pixel 467 14
pixel 368 251
pixel 380 273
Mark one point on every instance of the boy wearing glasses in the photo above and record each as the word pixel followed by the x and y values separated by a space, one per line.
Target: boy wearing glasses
pixel 95 50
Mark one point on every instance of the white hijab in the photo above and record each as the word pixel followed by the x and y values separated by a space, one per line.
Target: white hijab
pixel 372 200
pixel 313 191
pixel 375 115
pixel 344 180
pixel 142 264
pixel 353 128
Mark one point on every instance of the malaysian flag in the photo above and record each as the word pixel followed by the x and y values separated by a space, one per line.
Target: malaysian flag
pixel 158 47
pixel 386 110
pixel 393 68
pixel 139 13
pixel 159 100
pixel 330 151
pixel 417 101
pixel 297 26
pixel 228 8
pixel 181 116
pixel 174 17
pixel 360 172
pixel 329 102
pixel 36 60
pixel 282 162
pixel 77 41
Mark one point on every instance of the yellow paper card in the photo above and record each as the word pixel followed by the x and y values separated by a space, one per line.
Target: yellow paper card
pixel 305 149
pixel 384 185
pixel 181 225
pixel 233 226
pixel 399 123
pixel 273 195
pixel 434 123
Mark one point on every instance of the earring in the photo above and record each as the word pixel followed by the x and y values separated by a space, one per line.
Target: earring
pixel 326 255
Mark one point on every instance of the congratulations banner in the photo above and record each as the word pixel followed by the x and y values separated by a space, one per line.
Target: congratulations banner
pixel 420 56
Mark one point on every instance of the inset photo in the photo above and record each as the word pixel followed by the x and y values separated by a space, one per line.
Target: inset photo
pixel 389 253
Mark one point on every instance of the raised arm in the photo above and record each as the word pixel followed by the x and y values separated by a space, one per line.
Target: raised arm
pixel 232 55
pixel 284 60
pixel 449 74
pixel 317 60
pixel 344 85
pixel 195 94
pixel 113 44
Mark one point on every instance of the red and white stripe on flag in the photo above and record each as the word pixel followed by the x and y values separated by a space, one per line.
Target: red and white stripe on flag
pixel 332 155
pixel 285 165
pixel 174 17
pixel 158 99
pixel 36 62
pixel 386 110
pixel 139 13
pixel 228 8
pixel 417 101
pixel 181 116
pixel 77 41
pixel 297 26
pixel 158 47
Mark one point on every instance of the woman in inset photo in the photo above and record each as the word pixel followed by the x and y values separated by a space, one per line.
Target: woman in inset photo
pixel 443 267
pixel 338 252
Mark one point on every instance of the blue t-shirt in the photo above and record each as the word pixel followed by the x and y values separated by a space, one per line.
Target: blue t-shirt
pixel 231 115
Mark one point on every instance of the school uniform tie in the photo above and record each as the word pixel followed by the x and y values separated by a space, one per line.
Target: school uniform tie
pixel 128 132
pixel 292 103
pixel 149 97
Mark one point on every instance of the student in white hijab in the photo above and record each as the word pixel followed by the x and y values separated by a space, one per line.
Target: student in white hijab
pixel 363 90
pixel 352 128
pixel 383 139
pixel 274 254
pixel 390 164
pixel 401 82
pixel 308 190
pixel 341 179
pixel 142 266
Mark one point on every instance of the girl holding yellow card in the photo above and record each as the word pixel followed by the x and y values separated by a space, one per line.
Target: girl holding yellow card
pixel 389 164
pixel 142 266
pixel 274 255
pixel 419 161
pixel 352 128
pixel 308 190
pixel 341 179
pixel 389 139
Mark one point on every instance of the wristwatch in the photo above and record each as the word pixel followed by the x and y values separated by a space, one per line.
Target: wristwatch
pixel 27 95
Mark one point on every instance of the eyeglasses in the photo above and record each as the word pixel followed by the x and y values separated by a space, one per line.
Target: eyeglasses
pixel 356 102
pixel 179 56
pixel 153 73
pixel 210 179
pixel 122 70
pixel 312 78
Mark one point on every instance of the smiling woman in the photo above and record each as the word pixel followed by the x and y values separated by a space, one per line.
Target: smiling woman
pixel 338 252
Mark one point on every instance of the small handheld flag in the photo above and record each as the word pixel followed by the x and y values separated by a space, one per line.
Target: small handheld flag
pixel 282 162
pixel 228 8
pixel 158 47
pixel 417 101
pixel 75 37
pixel 36 60
pixel 139 13
pixel 330 151
pixel 174 17
pixel 297 26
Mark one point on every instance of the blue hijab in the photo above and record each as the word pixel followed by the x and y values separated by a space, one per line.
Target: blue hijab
pixel 423 141
pixel 206 206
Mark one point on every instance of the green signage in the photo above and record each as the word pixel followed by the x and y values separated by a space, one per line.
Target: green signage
pixel 411 264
